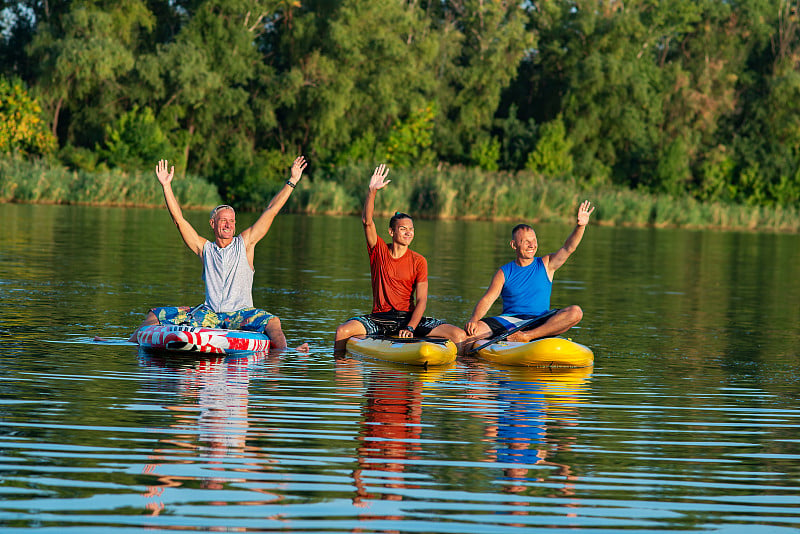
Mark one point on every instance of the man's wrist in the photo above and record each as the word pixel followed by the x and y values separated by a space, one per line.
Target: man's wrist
pixel 290 184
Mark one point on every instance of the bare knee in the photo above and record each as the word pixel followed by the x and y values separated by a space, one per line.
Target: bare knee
pixel 349 329
pixel 457 335
pixel 574 314
pixel 451 332
pixel 341 331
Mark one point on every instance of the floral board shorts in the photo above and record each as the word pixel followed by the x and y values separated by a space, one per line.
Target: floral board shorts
pixel 252 319
pixel 390 323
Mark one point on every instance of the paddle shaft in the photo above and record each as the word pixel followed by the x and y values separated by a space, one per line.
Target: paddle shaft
pixel 536 321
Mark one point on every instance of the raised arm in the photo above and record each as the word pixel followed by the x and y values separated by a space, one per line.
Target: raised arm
pixel 486 301
pixel 193 240
pixel 377 181
pixel 554 261
pixel 255 233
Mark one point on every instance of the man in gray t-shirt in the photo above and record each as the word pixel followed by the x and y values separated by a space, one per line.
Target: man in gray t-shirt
pixel 227 264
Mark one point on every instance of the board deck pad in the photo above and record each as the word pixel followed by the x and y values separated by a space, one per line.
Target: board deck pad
pixel 199 339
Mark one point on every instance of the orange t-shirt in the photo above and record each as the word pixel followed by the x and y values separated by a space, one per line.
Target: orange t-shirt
pixel 394 280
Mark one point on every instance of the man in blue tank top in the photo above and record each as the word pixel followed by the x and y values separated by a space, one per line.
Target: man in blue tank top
pixel 525 285
pixel 227 265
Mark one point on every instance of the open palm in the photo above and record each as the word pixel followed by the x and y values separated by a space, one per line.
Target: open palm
pixel 378 180
pixel 163 173
pixel 584 212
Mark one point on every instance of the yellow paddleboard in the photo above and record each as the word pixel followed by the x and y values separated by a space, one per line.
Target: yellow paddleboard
pixel 546 352
pixel 408 351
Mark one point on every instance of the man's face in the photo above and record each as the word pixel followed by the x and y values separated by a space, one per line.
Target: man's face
pixel 525 243
pixel 403 231
pixel 224 224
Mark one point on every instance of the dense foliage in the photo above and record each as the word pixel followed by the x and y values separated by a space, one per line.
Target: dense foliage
pixel 668 96
pixel 22 130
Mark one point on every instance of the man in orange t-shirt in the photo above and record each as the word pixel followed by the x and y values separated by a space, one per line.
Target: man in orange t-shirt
pixel 397 273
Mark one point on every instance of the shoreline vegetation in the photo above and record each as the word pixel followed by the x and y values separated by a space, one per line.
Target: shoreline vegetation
pixel 428 192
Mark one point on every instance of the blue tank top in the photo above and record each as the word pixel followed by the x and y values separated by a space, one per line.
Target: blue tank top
pixel 527 289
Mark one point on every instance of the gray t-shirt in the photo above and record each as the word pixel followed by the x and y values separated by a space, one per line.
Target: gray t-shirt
pixel 228 276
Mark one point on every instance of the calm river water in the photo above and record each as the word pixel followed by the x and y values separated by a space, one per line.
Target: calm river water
pixel 689 420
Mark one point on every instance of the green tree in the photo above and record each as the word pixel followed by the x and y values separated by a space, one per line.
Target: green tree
pixel 481 47
pixel 82 55
pixel 552 156
pixel 485 153
pixel 353 71
pixel 135 141
pixel 409 141
pixel 517 138
pixel 208 84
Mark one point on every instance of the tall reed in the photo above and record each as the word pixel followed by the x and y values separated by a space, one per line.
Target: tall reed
pixel 39 181
pixel 460 192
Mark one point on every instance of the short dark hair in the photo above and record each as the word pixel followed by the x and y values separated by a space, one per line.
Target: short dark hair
pixel 397 216
pixel 519 227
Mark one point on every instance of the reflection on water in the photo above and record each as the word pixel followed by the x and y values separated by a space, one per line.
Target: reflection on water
pixel 687 422
pixel 528 413
pixel 535 423
pixel 212 423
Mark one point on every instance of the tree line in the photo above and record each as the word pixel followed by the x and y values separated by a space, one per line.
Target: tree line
pixel 685 97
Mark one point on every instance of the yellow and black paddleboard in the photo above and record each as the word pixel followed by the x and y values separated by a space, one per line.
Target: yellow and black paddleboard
pixel 546 352
pixel 410 351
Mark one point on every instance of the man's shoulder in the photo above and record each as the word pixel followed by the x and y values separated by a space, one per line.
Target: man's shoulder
pixel 379 247
pixel 506 267
pixel 420 264
pixel 416 255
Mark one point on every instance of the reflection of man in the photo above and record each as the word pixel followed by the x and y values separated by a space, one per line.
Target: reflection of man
pixel 391 433
pixel 521 435
pixel 227 265
pixel 397 274
pixel 210 429
pixel 213 422
pixel 525 285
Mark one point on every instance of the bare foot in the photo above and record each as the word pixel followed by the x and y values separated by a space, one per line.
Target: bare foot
pixel 302 348
pixel 517 336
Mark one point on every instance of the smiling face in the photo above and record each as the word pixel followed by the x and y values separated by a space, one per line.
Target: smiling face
pixel 525 243
pixel 224 224
pixel 402 232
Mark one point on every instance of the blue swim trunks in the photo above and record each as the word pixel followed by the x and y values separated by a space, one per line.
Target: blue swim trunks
pixel 500 324
pixel 252 319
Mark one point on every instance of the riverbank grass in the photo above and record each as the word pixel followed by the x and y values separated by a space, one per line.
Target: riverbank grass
pixel 467 193
pixel 449 192
pixel 40 182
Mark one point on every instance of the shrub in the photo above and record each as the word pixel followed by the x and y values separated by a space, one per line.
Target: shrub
pixel 22 130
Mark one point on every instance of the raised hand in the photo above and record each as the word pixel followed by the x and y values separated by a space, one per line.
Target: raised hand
pixel 378 180
pixel 584 211
pixel 298 167
pixel 164 176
